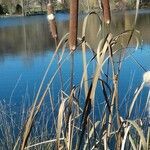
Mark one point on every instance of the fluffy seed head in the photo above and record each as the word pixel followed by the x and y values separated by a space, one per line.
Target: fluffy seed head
pixel 59 1
pixel 50 17
pixel 146 78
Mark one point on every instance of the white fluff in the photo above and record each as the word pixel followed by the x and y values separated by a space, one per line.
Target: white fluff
pixel 50 17
pixel 49 4
pixel 59 1
pixel 146 78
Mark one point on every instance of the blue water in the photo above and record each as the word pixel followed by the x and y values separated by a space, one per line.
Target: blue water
pixel 23 65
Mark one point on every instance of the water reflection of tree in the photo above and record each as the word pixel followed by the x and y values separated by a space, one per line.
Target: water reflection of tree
pixel 27 39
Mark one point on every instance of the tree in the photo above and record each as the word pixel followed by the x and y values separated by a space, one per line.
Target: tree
pixel 1 10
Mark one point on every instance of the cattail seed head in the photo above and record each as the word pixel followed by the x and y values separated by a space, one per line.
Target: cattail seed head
pixel 106 11
pixel 60 1
pixel 73 24
pixel 146 78
pixel 51 19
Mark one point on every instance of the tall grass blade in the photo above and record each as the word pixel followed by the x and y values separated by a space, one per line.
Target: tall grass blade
pixel 132 142
pixel 134 99
pixel 84 27
pixel 140 133
pixel 99 65
pixel 125 137
pixel 148 138
pixel 42 143
pixel 34 111
pixel 86 112
pixel 90 134
pixel 60 122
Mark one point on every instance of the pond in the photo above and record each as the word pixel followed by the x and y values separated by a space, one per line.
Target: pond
pixel 26 48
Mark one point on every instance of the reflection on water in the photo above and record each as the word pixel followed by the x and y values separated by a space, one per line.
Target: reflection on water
pixel 26 48
pixel 31 35
pixel 24 38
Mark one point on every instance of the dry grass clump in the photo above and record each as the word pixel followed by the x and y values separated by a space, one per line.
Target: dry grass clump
pixel 76 125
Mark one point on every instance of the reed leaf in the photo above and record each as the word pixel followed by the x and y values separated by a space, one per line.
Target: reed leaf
pixel 134 99
pixel 34 109
pixel 140 133
pixel 132 142
pixel 69 133
pixel 60 121
pixel 125 137
pixel 99 65
pixel 148 138
pixel 86 112
pixel 42 143
pixel 85 76
pixel 90 134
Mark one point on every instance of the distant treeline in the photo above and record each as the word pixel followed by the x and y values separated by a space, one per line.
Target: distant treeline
pixel 29 6
pixel 24 7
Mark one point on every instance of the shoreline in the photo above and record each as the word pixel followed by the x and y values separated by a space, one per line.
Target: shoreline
pixel 141 10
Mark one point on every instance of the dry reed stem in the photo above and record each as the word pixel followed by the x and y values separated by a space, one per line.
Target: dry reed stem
pixel 60 122
pixel 140 133
pixel 35 109
pixel 99 65
pixel 84 27
pixel 134 99
pixel 73 24
pixel 114 100
pixel 132 142
pixel 42 143
pixel 106 11
pixel 84 119
pixel 148 138
pixel 91 132
pixel 112 104
pixel 125 137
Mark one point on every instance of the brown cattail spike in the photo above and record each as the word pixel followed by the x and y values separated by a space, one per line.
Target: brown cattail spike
pixel 106 11
pixel 51 19
pixel 73 24
pixel 50 9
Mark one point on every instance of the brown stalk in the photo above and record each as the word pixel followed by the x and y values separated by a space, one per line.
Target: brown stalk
pixel 52 22
pixel 73 30
pixel 73 24
pixel 106 11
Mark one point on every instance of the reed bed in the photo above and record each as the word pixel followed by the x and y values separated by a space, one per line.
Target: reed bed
pixel 73 123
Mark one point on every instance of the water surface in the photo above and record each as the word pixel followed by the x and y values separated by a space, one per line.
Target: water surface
pixel 26 47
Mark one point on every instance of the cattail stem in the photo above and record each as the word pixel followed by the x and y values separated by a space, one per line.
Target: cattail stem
pixel 73 31
pixel 53 30
pixel 73 24
pixel 106 11
pixel 72 71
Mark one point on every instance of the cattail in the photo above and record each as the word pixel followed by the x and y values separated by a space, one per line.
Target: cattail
pixel 106 11
pixel 51 19
pixel 73 24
